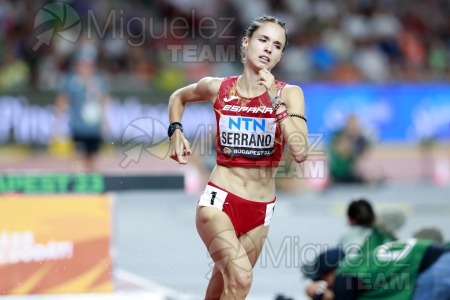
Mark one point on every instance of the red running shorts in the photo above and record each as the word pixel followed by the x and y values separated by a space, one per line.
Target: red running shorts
pixel 244 214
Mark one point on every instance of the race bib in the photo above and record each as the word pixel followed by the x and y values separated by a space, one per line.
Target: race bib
pixel 247 136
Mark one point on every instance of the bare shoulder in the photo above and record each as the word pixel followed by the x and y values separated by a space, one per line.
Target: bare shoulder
pixel 293 91
pixel 293 96
pixel 209 86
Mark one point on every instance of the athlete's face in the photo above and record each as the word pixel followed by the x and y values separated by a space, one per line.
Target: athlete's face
pixel 265 47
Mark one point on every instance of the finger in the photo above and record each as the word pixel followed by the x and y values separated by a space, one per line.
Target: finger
pixel 181 159
pixel 172 153
pixel 262 74
pixel 187 147
pixel 186 152
pixel 265 72
pixel 263 82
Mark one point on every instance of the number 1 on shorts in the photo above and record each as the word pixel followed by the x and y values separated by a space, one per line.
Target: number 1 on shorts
pixel 213 196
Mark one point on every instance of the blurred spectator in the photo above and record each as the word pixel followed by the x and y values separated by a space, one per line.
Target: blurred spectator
pixel 431 233
pixel 345 72
pixel 371 62
pixel 411 264
pixel 374 41
pixel 391 219
pixel 14 73
pixel 348 145
pixel 365 233
pixel 83 95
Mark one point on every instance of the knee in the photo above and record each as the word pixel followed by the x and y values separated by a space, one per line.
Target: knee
pixel 204 216
pixel 239 283
pixel 244 280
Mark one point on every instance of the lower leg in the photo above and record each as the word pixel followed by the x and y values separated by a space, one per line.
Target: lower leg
pixel 229 255
pixel 215 285
pixel 237 286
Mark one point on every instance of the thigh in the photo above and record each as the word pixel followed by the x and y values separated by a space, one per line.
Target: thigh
pixel 86 144
pixel 219 237
pixel 92 145
pixel 253 242
pixel 80 142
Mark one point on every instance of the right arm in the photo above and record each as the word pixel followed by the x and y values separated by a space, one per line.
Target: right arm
pixel 204 90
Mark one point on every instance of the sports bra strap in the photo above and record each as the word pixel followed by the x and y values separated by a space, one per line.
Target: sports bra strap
pixel 279 91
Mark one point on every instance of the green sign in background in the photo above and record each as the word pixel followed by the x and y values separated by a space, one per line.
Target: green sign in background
pixel 52 183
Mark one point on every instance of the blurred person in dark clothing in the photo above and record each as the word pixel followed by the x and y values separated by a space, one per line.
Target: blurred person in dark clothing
pixel 431 233
pixel 347 147
pixel 83 96
pixel 365 232
pixel 400 270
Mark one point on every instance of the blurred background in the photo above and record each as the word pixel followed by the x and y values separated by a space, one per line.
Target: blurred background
pixel 375 75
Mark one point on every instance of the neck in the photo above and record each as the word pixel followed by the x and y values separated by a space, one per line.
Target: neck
pixel 247 84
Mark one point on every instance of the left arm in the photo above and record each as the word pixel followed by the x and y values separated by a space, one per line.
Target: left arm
pixel 295 131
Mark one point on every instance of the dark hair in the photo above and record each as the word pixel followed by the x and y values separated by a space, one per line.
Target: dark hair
pixel 257 23
pixel 361 212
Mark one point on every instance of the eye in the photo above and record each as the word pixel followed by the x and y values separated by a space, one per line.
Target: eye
pixel 262 40
pixel 278 47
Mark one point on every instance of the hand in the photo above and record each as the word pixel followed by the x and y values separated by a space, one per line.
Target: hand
pixel 180 148
pixel 328 294
pixel 319 290
pixel 268 81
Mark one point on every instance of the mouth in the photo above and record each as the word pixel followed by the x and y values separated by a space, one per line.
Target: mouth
pixel 264 58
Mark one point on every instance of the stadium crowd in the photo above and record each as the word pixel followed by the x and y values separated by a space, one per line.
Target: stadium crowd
pixel 167 43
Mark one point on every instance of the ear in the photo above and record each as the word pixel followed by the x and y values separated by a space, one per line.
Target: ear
pixel 245 42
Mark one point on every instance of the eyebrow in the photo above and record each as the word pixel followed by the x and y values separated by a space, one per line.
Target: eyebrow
pixel 268 38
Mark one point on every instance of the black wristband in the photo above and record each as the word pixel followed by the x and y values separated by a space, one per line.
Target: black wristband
pixel 299 116
pixel 174 126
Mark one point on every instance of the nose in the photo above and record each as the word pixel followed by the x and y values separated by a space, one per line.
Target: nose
pixel 268 48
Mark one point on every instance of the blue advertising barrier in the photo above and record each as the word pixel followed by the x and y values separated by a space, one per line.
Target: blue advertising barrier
pixel 389 113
